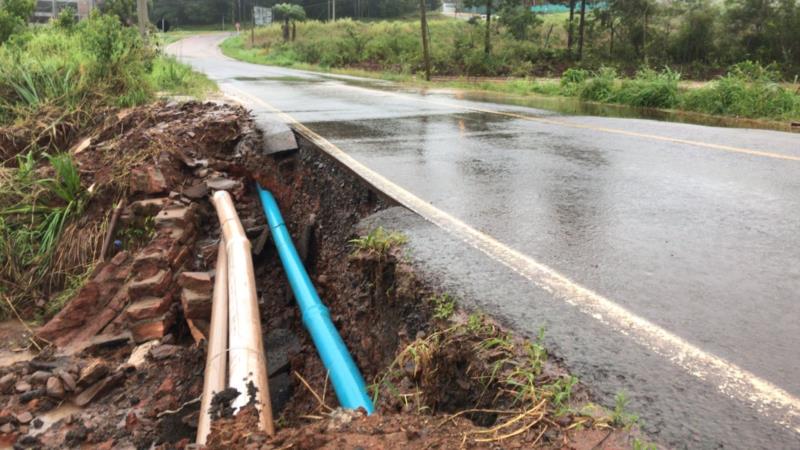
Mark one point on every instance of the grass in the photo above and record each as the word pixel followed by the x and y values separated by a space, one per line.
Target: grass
pixel 443 306
pixel 67 73
pixel 34 212
pixel 173 77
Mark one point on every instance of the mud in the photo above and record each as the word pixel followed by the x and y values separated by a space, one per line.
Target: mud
pixel 439 380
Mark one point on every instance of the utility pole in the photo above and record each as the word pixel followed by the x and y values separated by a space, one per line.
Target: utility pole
pixel 425 50
pixel 141 12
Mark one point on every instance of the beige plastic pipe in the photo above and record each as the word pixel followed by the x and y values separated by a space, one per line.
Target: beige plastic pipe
pixel 247 364
pixel 216 361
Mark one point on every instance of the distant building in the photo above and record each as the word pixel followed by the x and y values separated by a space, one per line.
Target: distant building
pixel 47 9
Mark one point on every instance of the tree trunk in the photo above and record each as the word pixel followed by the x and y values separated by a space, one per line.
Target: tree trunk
pixel 294 30
pixel 141 13
pixel 425 50
pixel 581 29
pixel 286 30
pixel 611 45
pixel 644 37
pixel 569 28
pixel 547 37
pixel 488 44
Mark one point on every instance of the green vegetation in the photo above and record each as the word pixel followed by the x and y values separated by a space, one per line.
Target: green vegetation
pixel 391 50
pixel 289 14
pixel 55 81
pixel 443 306
pixel 35 208
pixel 621 416
pixel 748 90
pixel 171 76
pixel 378 241
pixel 66 70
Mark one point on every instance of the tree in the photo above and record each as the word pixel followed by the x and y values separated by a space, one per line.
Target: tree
pixel 570 27
pixel 581 28
pixel 763 30
pixel 490 6
pixel 124 9
pixel 289 13
pixel 14 15
pixel 633 22
pixel 695 39
pixel 518 18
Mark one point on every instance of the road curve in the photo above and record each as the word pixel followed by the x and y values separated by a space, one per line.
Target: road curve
pixel 662 258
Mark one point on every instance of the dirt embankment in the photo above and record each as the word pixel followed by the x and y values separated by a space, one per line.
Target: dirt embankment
pixel 126 370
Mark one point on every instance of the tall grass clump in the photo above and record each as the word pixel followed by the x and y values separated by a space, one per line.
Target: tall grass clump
pixel 600 87
pixel 170 75
pixel 649 89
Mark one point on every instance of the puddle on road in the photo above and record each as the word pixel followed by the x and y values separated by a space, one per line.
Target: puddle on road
pixel 573 106
pixel 284 79
pixel 567 105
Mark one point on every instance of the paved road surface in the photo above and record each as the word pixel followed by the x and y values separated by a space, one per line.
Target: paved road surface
pixel 687 237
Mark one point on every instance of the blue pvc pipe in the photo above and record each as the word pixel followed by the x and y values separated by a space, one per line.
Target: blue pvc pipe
pixel 347 380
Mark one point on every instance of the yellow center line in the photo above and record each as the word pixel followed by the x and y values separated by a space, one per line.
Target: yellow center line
pixel 729 379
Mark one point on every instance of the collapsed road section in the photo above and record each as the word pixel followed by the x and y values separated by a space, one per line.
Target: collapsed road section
pixel 124 363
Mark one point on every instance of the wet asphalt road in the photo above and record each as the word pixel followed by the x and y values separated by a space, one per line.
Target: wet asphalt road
pixel 700 240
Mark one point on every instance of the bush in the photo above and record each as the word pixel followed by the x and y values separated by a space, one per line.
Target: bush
pixel 746 91
pixel 13 16
pixel 599 88
pixel 649 89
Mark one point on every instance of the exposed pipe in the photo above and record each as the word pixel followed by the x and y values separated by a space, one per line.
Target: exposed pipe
pixel 216 359
pixel 345 376
pixel 247 365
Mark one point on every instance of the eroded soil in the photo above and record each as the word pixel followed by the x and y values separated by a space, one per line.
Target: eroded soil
pixel 442 378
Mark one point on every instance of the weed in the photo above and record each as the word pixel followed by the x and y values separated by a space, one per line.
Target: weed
pixel 378 241
pixel 174 77
pixel 443 306
pixel 136 234
pixel 638 444
pixel 620 416
pixel 562 392
pixel 475 322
